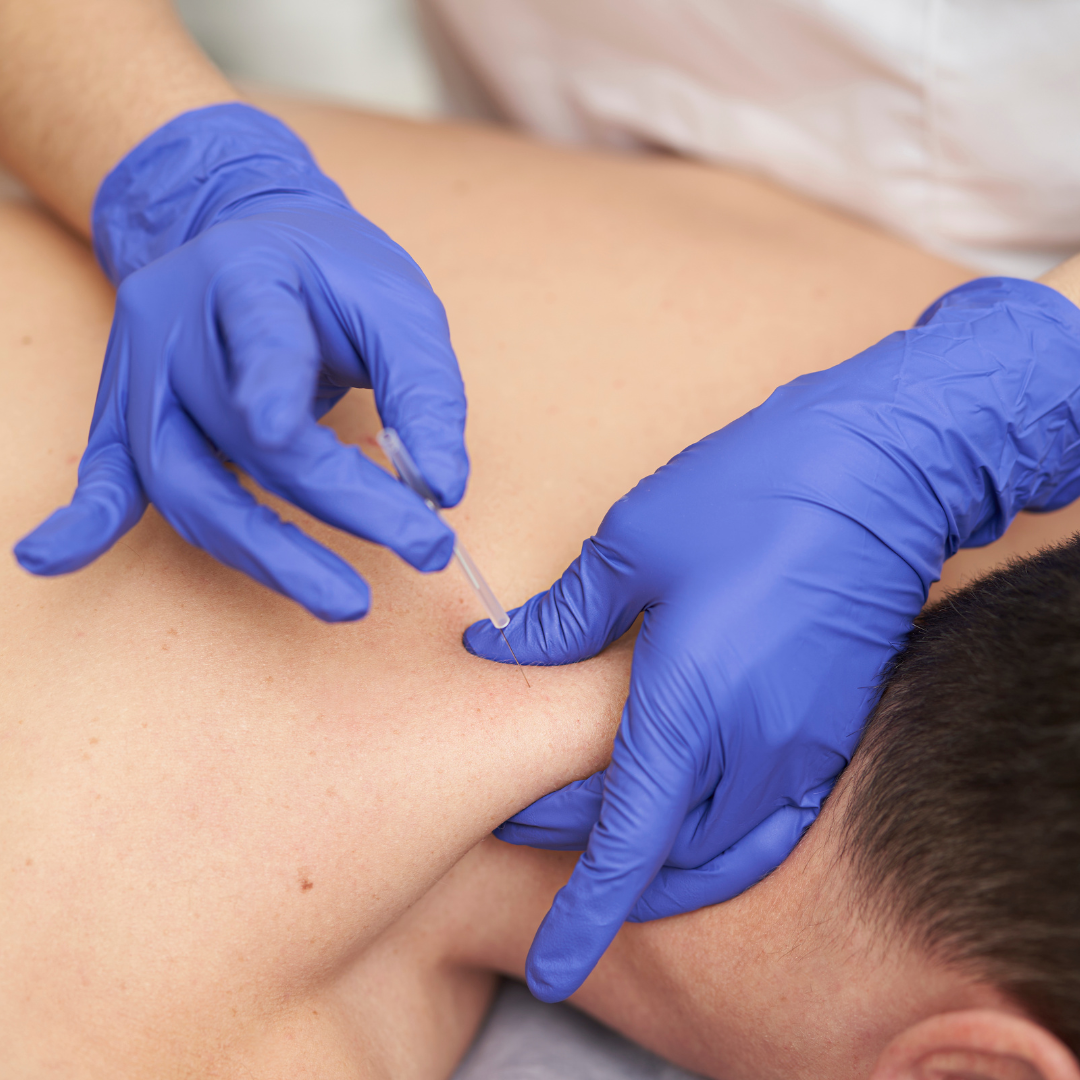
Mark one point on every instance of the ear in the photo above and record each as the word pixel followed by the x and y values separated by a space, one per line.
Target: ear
pixel 976 1044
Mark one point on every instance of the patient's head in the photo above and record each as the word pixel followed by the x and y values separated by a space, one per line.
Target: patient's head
pixel 964 820
pixel 960 818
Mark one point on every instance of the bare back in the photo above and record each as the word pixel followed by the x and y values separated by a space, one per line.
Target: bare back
pixel 213 804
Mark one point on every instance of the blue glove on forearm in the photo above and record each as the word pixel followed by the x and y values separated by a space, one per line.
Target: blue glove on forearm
pixel 251 297
pixel 779 564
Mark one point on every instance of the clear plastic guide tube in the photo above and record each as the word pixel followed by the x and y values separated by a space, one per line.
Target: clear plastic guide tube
pixel 391 445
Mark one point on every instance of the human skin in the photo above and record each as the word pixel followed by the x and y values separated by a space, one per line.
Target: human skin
pixel 83 81
pixel 236 841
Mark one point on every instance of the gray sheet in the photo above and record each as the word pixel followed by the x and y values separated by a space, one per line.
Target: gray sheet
pixel 523 1039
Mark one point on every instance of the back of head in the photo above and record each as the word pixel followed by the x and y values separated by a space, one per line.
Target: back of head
pixel 963 825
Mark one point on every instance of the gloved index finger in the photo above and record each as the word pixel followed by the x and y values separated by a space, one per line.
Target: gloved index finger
pixel 339 485
pixel 208 507
pixel 646 791
pixel 418 388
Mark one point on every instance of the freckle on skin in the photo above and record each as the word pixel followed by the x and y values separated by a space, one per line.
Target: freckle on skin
pixel 93 740
pixel 29 862
pixel 305 884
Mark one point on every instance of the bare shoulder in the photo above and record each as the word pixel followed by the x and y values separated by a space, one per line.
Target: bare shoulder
pixel 213 803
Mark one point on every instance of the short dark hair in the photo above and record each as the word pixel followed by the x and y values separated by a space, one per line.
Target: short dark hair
pixel 963 819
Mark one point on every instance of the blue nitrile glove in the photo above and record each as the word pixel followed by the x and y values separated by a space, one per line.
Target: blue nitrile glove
pixel 779 563
pixel 251 297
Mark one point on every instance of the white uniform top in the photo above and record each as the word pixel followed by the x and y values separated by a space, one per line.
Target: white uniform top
pixel 955 123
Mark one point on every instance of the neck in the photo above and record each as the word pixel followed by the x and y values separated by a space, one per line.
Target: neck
pixel 792 980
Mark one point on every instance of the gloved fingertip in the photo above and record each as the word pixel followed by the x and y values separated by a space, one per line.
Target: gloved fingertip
pixel 483 640
pixel 510 832
pixel 542 838
pixel 563 952
pixel 273 422
pixel 551 979
pixel 346 602
pixel 542 990
pixel 433 555
pixel 339 613
pixel 420 537
pixel 441 457
pixel 450 490
pixel 65 541
pixel 32 556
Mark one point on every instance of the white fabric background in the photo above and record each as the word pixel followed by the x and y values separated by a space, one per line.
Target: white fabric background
pixel 368 52
pixel 955 123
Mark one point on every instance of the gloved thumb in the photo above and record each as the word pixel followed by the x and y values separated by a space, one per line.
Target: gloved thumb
pixel 560 821
pixel 591 605
pixel 107 503
pixel 274 361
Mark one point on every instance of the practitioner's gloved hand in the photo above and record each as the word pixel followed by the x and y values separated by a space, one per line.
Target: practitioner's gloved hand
pixel 779 563
pixel 251 297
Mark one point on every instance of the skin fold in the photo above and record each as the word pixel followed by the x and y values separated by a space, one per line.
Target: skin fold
pixel 239 842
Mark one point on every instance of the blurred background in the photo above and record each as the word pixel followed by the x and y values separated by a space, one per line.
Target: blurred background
pixel 378 54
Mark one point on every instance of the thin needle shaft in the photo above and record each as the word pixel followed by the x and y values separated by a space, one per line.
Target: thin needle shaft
pixel 516 660
pixel 390 443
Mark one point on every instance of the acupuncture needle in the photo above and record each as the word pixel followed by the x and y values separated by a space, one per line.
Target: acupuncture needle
pixel 391 445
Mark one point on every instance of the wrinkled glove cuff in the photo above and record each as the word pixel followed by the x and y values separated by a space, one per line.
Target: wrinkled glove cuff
pixel 201 167
pixel 1013 390
pixel 934 438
